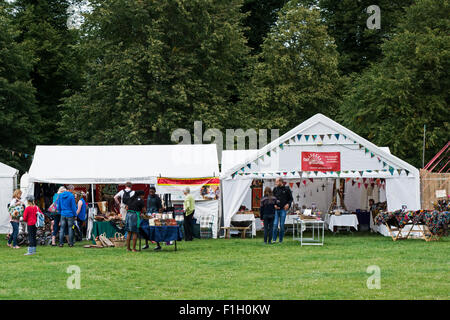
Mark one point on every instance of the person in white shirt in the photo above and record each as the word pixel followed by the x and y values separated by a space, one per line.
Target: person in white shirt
pixel 126 193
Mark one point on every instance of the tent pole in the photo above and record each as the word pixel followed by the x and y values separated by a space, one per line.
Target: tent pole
pixel 92 195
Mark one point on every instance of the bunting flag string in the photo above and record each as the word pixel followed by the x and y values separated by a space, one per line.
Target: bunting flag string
pixel 14 153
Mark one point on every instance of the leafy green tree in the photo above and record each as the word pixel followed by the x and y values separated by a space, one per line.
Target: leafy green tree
pixel 390 103
pixel 358 45
pixel 56 68
pixel 154 66
pixel 18 117
pixel 261 15
pixel 296 75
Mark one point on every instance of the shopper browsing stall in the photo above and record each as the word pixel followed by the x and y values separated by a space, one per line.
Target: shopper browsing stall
pixel 267 213
pixel 189 210
pixel 135 205
pixel 68 210
pixel 15 209
pixel 56 216
pixel 81 212
pixel 124 195
pixel 154 205
pixel 284 196
pixel 30 217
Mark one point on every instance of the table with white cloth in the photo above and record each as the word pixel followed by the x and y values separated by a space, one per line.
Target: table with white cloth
pixel 343 220
pixel 245 217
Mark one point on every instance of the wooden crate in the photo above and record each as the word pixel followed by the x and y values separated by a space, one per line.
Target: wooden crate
pixel 429 183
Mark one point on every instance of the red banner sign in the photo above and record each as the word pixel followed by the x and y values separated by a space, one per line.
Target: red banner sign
pixel 194 181
pixel 321 161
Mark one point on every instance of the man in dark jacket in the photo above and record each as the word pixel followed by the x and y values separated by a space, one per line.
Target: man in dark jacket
pixel 284 196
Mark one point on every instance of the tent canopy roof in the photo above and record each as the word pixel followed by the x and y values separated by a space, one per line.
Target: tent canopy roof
pixel 7 171
pixel 119 164
pixel 318 125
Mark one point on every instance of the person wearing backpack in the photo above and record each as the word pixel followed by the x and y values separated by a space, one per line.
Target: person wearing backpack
pixel 124 196
pixel 30 216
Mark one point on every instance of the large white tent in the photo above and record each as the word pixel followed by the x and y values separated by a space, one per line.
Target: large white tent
pixel 355 157
pixel 8 182
pixel 139 164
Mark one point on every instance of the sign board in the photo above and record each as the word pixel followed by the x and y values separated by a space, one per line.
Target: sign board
pixel 441 193
pixel 321 161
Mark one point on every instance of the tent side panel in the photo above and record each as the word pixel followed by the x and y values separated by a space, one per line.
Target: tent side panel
pixel 234 192
pixel 6 191
pixel 403 191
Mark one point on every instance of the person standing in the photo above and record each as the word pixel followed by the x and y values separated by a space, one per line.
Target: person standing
pixel 81 212
pixel 56 216
pixel 189 210
pixel 124 195
pixel 284 196
pixel 68 210
pixel 154 205
pixel 30 217
pixel 267 213
pixel 134 206
pixel 15 209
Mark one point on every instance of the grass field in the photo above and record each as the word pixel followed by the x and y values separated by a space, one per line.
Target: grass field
pixel 234 269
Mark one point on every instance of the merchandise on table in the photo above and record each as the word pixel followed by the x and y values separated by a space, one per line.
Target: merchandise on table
pixel 437 222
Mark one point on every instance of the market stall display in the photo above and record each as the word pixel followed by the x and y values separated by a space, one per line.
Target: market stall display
pixel 160 233
pixel 245 220
pixel 343 220
pixel 432 224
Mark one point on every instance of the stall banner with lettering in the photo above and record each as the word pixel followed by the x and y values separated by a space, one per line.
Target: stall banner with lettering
pixel 321 161
pixel 201 188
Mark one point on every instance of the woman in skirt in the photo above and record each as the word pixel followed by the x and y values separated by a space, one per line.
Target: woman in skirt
pixel 132 221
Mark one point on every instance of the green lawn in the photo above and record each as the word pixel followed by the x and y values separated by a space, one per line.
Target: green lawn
pixel 234 269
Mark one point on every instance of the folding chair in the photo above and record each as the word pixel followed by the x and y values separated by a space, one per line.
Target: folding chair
pixel 206 225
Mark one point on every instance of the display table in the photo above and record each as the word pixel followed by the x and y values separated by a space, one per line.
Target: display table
pixel 243 217
pixel 345 220
pixel 161 233
pixel 317 228
pixel 107 227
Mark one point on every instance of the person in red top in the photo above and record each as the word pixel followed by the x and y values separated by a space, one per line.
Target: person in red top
pixel 30 217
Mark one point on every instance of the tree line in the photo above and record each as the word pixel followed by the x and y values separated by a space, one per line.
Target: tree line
pixel 135 70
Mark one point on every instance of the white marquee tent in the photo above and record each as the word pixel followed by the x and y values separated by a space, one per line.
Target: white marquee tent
pixel 139 164
pixel 8 182
pixel 357 159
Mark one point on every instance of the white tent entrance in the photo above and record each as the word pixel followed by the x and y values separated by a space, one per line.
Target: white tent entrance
pixel 314 155
pixel 8 182
pixel 138 164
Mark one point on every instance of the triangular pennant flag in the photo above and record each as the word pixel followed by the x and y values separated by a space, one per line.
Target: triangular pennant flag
pixel 366 150
pixel 285 173
pixel 377 171
pixel 379 159
pixel 300 174
pixel 359 184
pixel 345 137
pixel 372 185
pixel 263 174
pixel 281 146
pixel 299 136
pixel 314 136
pixel 311 179
pixel 361 173
pixel 391 170
pixel 247 173
pixel 249 166
pixel 291 184
pixel 384 164
pixel 242 169
pixel 322 136
pixel 304 182
pixel 338 173
pixel 279 173
pixel 329 135
pixel 361 146
pixel 268 153
pixel 407 172
pixel 286 142
pixel 347 179
pixel 293 172
pixel 298 184
pixel 364 179
pixel 262 158
pixel 399 171
pixel 353 182
pixel 369 170
pixel 337 135
pixel 293 139
pixel 366 185
pixel 372 155
pixel 316 172
pixel 306 137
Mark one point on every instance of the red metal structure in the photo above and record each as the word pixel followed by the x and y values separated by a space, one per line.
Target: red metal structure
pixel 440 162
